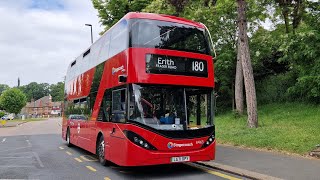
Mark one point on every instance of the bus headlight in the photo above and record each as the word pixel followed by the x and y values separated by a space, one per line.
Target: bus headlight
pixel 138 140
pixel 209 141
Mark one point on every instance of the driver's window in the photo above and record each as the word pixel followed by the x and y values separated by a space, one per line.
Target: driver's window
pixel 119 105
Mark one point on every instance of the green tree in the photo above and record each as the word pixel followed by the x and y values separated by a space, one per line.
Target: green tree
pixel 111 11
pixel 35 91
pixel 245 59
pixel 13 100
pixel 57 91
pixel 3 87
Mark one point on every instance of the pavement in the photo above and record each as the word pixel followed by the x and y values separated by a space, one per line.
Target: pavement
pixel 11 124
pixel 265 165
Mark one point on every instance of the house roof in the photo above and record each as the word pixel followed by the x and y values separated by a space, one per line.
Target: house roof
pixel 58 103
pixel 44 101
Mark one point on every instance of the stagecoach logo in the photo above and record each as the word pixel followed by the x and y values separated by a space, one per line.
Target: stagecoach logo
pixel 115 70
pixel 165 63
pixel 172 145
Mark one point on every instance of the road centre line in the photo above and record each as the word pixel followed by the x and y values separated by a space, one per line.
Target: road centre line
pixel 3 140
pixel 86 159
pixel 38 159
pixel 29 144
pixel 61 147
pixel 77 159
pixel 216 173
pixel 69 153
pixel 91 168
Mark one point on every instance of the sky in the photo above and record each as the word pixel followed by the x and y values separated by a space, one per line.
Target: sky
pixel 39 38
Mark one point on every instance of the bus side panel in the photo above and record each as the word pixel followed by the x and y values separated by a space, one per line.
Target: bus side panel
pixel 80 86
pixel 118 145
pixel 115 66
pixel 64 128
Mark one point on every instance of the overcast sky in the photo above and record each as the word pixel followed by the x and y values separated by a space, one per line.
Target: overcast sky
pixel 39 38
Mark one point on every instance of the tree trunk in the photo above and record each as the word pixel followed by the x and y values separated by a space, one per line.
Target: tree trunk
pixel 247 67
pixel 239 83
pixel 285 13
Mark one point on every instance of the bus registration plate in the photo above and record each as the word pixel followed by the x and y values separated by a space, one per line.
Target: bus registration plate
pixel 180 159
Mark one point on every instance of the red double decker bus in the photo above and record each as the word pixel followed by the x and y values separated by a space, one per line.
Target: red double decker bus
pixel 142 94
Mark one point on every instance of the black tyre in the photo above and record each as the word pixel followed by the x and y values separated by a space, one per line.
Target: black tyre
pixel 101 151
pixel 68 138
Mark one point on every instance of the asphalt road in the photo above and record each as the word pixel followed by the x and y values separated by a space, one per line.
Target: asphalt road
pixel 35 150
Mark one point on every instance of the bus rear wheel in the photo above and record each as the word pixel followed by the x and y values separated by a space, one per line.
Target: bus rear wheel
pixel 68 138
pixel 101 151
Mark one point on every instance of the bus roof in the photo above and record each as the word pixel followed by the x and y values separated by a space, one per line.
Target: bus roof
pixel 162 17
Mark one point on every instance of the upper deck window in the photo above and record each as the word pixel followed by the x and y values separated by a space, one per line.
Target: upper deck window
pixel 119 38
pixel 168 35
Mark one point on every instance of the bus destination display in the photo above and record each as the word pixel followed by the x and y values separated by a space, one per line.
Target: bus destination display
pixel 163 64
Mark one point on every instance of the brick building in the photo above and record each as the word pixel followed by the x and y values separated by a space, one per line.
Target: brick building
pixel 42 107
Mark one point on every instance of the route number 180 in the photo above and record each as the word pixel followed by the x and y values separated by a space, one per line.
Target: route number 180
pixel 197 66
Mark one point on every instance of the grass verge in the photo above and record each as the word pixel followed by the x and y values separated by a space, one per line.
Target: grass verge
pixel 290 127
pixel 28 120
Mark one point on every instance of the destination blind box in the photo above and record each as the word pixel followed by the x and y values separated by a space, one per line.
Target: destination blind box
pixel 163 64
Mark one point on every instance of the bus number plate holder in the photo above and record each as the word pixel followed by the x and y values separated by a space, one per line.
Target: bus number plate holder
pixel 180 159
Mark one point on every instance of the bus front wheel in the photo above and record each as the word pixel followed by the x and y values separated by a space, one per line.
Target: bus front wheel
pixel 101 151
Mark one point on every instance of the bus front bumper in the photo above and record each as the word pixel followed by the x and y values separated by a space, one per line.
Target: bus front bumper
pixel 138 156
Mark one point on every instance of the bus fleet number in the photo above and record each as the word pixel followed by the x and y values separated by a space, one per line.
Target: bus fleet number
pixel 197 66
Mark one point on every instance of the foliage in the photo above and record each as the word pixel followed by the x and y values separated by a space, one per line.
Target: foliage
pixel 288 51
pixel 57 91
pixel 287 127
pixel 35 91
pixel 3 87
pixel 2 114
pixel 13 100
pixel 274 88
pixel 111 11
pixel 160 7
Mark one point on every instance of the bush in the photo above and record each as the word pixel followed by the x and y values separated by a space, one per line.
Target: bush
pixel 2 114
pixel 275 88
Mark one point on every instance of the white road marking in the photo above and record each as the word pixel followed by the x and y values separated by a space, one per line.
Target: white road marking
pixel 29 144
pixel 12 157
pixel 14 166
pixel 59 124
pixel 3 140
pixel 38 159
pixel 15 149
pixel 19 153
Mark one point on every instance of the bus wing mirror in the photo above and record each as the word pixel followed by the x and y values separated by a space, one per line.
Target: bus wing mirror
pixel 122 78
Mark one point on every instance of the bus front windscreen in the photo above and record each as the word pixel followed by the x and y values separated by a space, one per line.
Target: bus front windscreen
pixel 168 35
pixel 170 108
